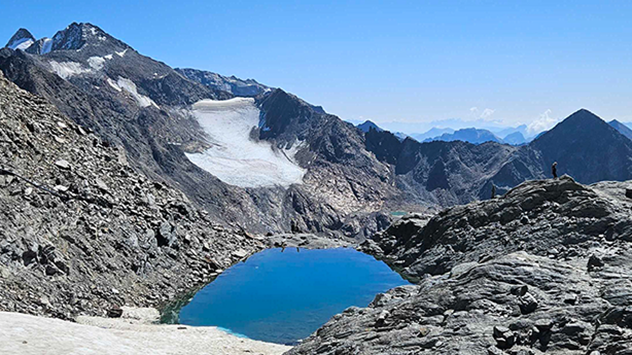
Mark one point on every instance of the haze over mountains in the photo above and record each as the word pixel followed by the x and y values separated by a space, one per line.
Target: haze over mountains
pixel 147 107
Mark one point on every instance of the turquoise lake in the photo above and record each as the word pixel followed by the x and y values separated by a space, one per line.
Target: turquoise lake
pixel 282 296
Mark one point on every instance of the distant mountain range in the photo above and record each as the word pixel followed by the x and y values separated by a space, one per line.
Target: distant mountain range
pixel 471 135
pixel 432 133
pixel 514 136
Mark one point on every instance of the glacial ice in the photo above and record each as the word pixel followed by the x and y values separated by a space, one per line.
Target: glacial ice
pixel 234 157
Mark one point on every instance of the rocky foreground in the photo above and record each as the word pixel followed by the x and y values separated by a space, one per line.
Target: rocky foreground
pixel 546 268
pixel 81 232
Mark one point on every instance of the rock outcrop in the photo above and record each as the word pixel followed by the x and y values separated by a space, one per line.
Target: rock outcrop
pixel 82 232
pixel 543 269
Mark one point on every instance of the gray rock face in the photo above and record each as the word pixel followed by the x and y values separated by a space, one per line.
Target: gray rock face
pixel 543 269
pixel 105 236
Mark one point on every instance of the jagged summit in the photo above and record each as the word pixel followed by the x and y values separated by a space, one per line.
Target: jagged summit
pixel 22 39
pixel 74 37
pixel 77 35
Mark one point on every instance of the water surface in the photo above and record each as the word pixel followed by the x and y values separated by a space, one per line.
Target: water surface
pixel 283 296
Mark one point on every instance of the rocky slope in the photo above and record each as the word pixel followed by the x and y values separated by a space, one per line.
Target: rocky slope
pixel 543 269
pixel 81 232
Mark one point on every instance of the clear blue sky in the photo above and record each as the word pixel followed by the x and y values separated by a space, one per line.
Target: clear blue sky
pixel 389 61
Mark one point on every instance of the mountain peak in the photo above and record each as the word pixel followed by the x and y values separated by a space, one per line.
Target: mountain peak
pixel 22 39
pixel 581 123
pixel 368 125
pixel 583 115
pixel 586 147
pixel 76 35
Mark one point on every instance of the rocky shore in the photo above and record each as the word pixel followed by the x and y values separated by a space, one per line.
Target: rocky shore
pixel 544 269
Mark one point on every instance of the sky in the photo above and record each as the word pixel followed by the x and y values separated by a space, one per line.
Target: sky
pixel 405 64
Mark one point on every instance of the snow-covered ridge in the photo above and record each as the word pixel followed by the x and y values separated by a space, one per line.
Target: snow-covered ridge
pixel 234 157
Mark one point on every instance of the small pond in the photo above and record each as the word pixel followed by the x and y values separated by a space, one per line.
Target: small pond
pixel 282 296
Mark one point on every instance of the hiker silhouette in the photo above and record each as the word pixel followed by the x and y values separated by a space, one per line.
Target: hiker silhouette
pixel 554 170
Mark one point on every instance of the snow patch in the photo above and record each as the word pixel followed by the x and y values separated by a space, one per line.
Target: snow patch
pixel 121 54
pixel 22 43
pixel 114 85
pixel 130 87
pixel 47 45
pixel 109 56
pixel 234 157
pixel 96 62
pixel 67 69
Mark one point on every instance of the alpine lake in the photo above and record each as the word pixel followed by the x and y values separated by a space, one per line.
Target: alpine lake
pixel 284 295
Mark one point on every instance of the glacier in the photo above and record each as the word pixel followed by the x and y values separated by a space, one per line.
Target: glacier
pixel 234 157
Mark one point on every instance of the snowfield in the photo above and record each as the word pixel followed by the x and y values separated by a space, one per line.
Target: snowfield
pixel 67 69
pixel 235 158
pixel 129 86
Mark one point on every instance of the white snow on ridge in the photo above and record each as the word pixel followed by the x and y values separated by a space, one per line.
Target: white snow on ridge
pixel 130 87
pixel 68 69
pixel 121 54
pixel 22 43
pixel 235 158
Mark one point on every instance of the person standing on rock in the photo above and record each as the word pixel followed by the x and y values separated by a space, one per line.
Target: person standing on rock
pixel 493 191
pixel 554 170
